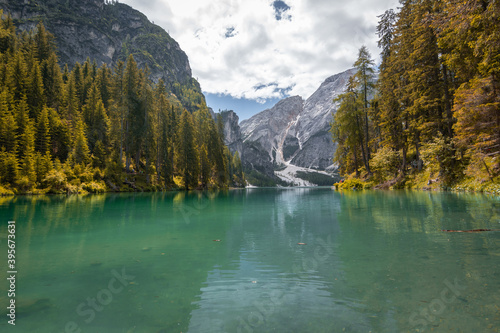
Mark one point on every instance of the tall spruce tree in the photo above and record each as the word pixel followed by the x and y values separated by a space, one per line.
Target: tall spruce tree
pixel 187 155
pixel 365 80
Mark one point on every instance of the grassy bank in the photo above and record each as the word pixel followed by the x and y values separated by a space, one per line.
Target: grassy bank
pixel 425 180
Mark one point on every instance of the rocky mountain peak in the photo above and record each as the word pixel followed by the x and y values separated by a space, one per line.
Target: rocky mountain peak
pixel 295 131
pixel 107 32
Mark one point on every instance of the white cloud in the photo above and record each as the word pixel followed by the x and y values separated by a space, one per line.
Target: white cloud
pixel 237 46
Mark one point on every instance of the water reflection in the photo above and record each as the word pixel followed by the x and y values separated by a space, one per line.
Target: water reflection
pixel 370 260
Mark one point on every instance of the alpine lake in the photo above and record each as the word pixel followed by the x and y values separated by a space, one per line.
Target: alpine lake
pixel 254 260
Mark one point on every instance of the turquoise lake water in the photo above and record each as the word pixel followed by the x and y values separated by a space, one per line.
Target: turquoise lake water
pixel 255 260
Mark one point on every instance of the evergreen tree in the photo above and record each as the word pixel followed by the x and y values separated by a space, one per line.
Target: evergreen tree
pixel 36 94
pixel 134 128
pixel 80 153
pixel 7 33
pixel 239 177
pixel 42 139
pixel 365 83
pixel 187 157
pixel 347 129
pixel 203 120
pixel 44 42
pixel 27 144
pixel 87 114
pixel 96 118
pixel 71 102
pixel 52 81
pixel 8 125
pixel 22 121
pixel 60 139
pixel 17 76
pixel 218 153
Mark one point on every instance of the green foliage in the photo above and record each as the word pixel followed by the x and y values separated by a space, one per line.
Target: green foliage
pixel 385 163
pixel 55 181
pixel 80 153
pixel 440 155
pixel 434 120
pixel 94 187
pixel 72 131
pixel 350 184
pixel 470 184
pixel 8 167
pixel 42 139
pixel 187 155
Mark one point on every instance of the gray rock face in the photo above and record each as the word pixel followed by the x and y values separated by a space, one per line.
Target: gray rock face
pixel 253 156
pixel 106 32
pixel 232 131
pixel 271 127
pixel 295 131
pixel 313 127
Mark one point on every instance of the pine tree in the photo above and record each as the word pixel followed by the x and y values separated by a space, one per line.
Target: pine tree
pixel 103 80
pixel 7 33
pixel 17 78
pixel 187 160
pixel 44 42
pixel 27 144
pixel 239 177
pixel 110 112
pixel 22 120
pixel 42 139
pixel 134 127
pixel 36 94
pixel 118 111
pixel 80 153
pixel 347 129
pixel 52 81
pixel 218 152
pixel 60 138
pixel 202 121
pixel 8 126
pixel 71 102
pixel 96 118
pixel 43 165
pixel 79 81
pixel 365 83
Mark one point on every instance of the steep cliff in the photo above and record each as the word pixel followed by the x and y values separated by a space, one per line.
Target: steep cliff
pixel 295 131
pixel 257 164
pixel 271 127
pixel 107 32
pixel 291 141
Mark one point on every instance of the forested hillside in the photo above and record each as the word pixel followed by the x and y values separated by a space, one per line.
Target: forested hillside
pixel 435 115
pixel 97 128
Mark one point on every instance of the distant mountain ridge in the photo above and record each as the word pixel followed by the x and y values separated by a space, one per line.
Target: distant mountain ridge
pixel 293 134
pixel 296 131
pixel 107 32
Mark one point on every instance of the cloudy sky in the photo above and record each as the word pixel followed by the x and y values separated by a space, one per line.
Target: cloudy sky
pixel 248 54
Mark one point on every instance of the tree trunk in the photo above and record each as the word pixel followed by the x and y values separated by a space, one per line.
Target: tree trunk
pixel 361 141
pixel 356 160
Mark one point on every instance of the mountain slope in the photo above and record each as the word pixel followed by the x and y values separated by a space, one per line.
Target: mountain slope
pixel 312 129
pixel 295 131
pixel 290 142
pixel 108 32
pixel 270 127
